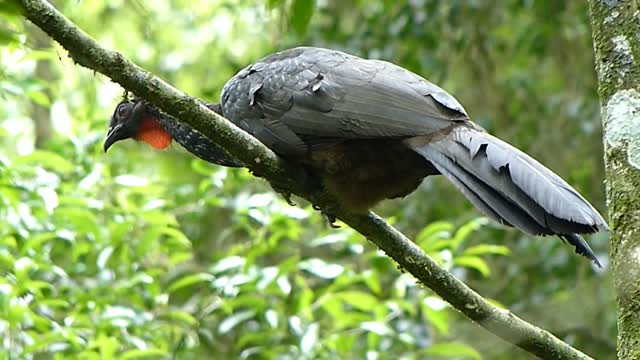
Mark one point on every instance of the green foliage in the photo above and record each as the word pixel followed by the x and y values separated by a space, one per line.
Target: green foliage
pixel 95 266
pixel 301 12
pixel 140 254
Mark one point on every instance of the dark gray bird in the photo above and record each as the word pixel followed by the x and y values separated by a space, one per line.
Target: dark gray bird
pixel 371 130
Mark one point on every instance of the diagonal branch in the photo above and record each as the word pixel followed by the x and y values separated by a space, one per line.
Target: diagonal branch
pixel 261 160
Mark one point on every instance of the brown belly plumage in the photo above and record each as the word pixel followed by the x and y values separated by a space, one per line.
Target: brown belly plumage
pixel 360 173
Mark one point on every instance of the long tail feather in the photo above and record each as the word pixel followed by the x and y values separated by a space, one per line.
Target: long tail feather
pixel 511 187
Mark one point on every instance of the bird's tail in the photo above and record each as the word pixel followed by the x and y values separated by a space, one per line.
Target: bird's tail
pixel 510 187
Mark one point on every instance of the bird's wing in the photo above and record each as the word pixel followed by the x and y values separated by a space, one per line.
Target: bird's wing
pixel 307 93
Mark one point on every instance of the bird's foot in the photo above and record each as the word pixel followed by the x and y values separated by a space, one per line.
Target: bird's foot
pixel 286 194
pixel 280 187
pixel 301 175
pixel 331 220
pixel 328 215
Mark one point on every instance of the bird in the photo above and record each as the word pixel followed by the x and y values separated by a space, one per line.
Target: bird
pixel 370 130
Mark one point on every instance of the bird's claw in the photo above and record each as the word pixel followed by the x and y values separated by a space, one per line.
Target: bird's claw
pixel 287 198
pixel 328 215
pixel 331 219
pixel 286 194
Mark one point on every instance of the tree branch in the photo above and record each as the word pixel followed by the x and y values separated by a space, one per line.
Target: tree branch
pixel 261 160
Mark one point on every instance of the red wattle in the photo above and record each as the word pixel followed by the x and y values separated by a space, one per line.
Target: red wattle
pixel 153 134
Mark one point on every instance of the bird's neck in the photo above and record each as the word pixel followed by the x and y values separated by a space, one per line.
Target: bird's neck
pixel 195 142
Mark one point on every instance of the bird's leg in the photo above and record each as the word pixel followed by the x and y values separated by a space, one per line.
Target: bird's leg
pixel 310 182
pixel 301 175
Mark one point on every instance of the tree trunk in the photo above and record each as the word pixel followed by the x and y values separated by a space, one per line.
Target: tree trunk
pixel 616 42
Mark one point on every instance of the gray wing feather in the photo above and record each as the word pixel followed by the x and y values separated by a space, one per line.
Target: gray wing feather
pixel 330 94
pixel 369 98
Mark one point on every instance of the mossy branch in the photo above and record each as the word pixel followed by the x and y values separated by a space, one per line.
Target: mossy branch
pixel 261 160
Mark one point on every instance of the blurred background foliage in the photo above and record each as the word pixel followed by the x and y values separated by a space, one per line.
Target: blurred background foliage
pixel 142 254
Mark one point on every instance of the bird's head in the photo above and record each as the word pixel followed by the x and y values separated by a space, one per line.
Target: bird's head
pixel 137 120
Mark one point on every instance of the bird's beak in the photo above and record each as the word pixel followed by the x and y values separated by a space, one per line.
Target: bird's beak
pixel 114 134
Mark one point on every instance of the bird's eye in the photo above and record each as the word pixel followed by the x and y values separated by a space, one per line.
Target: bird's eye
pixel 123 111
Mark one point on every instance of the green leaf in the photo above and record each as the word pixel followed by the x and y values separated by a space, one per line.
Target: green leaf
pixel 253 339
pixel 438 319
pixel 465 230
pixel 438 245
pixel 309 339
pixel 8 36
pixel 377 327
pixel 322 268
pixel 332 306
pixel 77 219
pixel 272 4
pixel 11 88
pixel 41 343
pixel 103 257
pixel 106 345
pixel 33 54
pixel 190 280
pixel 39 97
pixel 159 217
pixel 36 242
pixel 452 350
pixel 496 303
pixel 181 316
pixel 131 180
pixel 372 280
pixel 151 353
pixel 435 310
pixel 345 343
pixel 232 321
pixel 486 249
pixel 473 262
pixel 359 300
pixel 48 160
pixel 178 236
pixel 54 303
pixel 16 314
pixel 301 13
pixel 434 231
pixel 36 286
pixel 11 8
pixel 229 263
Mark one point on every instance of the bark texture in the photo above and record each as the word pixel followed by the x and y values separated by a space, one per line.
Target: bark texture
pixel 616 40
